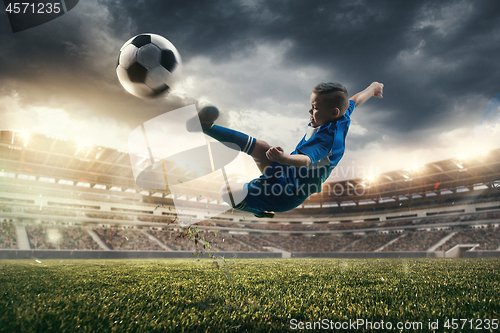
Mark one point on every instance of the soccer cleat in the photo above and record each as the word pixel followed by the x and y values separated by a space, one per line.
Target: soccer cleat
pixel 265 214
pixel 206 117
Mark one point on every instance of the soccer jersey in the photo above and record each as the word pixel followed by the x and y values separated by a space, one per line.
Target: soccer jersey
pixel 325 146
pixel 284 187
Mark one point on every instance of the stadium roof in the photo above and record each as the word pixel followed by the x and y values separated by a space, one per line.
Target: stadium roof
pixel 45 156
pixel 468 173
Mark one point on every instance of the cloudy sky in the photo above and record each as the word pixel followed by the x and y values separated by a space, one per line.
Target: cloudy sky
pixel 258 61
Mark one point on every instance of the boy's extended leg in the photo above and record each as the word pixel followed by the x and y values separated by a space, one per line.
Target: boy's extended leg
pixel 255 148
pixel 252 146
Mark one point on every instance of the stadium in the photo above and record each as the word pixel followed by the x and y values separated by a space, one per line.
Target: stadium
pixel 64 200
pixel 58 196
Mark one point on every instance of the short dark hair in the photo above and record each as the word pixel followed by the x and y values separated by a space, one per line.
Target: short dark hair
pixel 337 94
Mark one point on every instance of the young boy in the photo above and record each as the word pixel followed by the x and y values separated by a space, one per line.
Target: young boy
pixel 288 180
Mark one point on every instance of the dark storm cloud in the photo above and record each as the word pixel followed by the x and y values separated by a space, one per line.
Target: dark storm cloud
pixel 431 55
pixel 69 63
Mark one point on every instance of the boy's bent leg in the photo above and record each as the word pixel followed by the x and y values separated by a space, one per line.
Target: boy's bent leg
pixel 247 144
pixel 259 155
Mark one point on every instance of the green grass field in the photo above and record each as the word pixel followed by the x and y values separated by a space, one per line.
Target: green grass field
pixel 246 295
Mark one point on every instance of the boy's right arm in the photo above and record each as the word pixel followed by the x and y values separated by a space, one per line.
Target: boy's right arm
pixel 277 154
pixel 373 90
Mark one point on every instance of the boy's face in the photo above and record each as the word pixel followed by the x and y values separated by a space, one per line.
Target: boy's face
pixel 321 111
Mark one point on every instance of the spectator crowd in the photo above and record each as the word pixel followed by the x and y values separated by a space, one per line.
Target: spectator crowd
pixel 44 237
pixel 8 237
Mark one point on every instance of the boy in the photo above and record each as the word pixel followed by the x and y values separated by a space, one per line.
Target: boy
pixel 288 180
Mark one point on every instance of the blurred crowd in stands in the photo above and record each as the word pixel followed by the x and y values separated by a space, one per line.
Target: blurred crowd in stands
pixel 127 239
pixel 256 241
pixel 488 238
pixel 371 242
pixel 110 216
pixel 321 243
pixel 176 241
pixel 231 242
pixel 247 238
pixel 44 237
pixel 77 238
pixel 39 238
pixel 417 241
pixel 146 216
pixel 366 225
pixel 213 241
pixel 153 218
pixel 8 237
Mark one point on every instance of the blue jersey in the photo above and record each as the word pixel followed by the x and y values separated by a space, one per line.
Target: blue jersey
pixel 284 187
pixel 325 146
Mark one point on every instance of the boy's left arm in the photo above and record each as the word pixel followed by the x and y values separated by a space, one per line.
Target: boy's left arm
pixel 375 89
pixel 276 154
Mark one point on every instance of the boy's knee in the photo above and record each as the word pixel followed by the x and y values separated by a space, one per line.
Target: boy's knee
pixel 261 144
pixel 259 152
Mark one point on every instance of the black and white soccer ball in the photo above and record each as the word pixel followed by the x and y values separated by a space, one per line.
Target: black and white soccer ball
pixel 148 65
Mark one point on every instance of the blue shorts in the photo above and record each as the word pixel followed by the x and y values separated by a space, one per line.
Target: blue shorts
pixel 271 192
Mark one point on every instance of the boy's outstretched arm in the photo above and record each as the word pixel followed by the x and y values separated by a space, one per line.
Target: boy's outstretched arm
pixel 375 89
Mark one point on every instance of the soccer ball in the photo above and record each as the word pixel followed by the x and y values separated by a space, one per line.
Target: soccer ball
pixel 148 65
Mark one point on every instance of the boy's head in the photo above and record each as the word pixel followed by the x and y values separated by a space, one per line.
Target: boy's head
pixel 329 101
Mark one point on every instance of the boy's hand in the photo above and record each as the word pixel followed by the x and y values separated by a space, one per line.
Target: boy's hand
pixel 378 89
pixel 375 89
pixel 275 154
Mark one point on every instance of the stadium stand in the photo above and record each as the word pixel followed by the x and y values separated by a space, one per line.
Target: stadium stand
pixel 8 239
pixel 401 211
pixel 126 239
pixel 39 238
pixel 372 242
pixel 158 219
pixel 420 240
pixel 109 216
pixel 76 238
pixel 52 237
pixel 176 240
pixel 324 243
pixel 228 242
pixel 255 241
pixel 487 237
